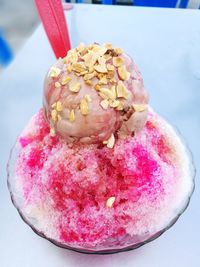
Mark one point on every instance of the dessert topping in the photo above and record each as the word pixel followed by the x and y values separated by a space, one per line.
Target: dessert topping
pixel 110 142
pixel 74 87
pixel 84 106
pixel 110 201
pixel 71 116
pixel 54 72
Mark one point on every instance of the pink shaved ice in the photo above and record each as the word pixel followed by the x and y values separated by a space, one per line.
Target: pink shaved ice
pixel 63 188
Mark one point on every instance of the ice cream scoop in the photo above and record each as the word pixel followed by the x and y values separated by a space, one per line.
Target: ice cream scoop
pixel 95 94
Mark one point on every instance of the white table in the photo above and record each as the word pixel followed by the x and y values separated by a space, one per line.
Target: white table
pixel 165 44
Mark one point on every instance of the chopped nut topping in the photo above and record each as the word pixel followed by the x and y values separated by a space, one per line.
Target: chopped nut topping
pixel 110 202
pixel 113 90
pixel 84 72
pixel 90 58
pixel 58 106
pixel 140 107
pixel 119 51
pixel 57 85
pixel 84 107
pixel 106 93
pixel 89 76
pixel 65 80
pixel 54 72
pixel 74 87
pixel 123 73
pixel 114 103
pixel 103 80
pixel 54 115
pixel 107 57
pixel 120 106
pixel 113 80
pixel 88 98
pixel 110 74
pixel 122 91
pixel 88 82
pixel 79 67
pixel 52 132
pixel 104 103
pixel 101 68
pixel 80 47
pixel 71 116
pixel 69 68
pixel 53 105
pixel 110 142
pixel 72 57
pixel 97 87
pixel 110 67
pixel 118 61
pixel 59 117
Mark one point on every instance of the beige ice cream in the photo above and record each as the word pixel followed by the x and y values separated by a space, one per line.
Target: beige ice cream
pixel 95 94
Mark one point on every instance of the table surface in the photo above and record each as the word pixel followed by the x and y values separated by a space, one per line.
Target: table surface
pixel 165 44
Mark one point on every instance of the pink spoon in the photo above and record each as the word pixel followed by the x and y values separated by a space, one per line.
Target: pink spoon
pixel 53 19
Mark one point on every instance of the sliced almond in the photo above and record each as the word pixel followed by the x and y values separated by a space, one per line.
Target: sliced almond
pixel 52 132
pixel 69 68
pixel 54 115
pixel 110 201
pixel 97 87
pixel 107 57
pixel 103 80
pixel 88 98
pixel 106 93
pixel 118 61
pixel 84 72
pixel 53 105
pixel 111 141
pixel 104 103
pixel 73 57
pixel 79 67
pixel 110 67
pixel 84 107
pixel 120 106
pixel 59 117
pixel 114 103
pixel 57 85
pixel 88 82
pixel 58 106
pixel 101 68
pixel 90 58
pixel 119 51
pixel 110 74
pixel 71 116
pixel 122 91
pixel 140 107
pixel 102 51
pixel 74 87
pixel 101 61
pixel 80 47
pixel 113 90
pixel 65 80
pixel 123 73
pixel 113 81
pixel 89 76
pixel 54 72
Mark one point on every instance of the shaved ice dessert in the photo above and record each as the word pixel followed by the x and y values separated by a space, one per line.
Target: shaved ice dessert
pixel 96 170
